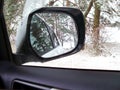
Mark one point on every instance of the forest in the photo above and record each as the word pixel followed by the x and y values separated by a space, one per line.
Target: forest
pixel 98 14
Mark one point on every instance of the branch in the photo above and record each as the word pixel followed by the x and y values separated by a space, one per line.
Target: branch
pixel 51 3
pixel 72 3
pixel 115 12
pixel 89 8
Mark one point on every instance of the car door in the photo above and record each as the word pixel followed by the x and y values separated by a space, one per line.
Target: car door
pixel 18 77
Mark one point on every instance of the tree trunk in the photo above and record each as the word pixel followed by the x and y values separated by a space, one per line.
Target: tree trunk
pixel 96 30
pixel 67 3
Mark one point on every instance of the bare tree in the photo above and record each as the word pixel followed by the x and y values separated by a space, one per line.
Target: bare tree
pixel 96 30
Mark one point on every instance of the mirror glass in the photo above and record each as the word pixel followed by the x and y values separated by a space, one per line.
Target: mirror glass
pixel 52 34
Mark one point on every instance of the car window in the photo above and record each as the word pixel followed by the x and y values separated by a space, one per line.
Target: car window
pixel 102 45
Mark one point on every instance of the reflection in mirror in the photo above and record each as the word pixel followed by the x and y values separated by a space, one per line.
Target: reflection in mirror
pixel 52 34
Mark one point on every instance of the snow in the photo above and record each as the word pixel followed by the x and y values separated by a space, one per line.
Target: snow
pixel 85 60
pixel 55 52
pixel 33 4
pixel 113 34
pixel 82 60
pixel 108 34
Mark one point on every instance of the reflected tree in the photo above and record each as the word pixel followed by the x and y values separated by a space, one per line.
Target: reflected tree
pixel 40 36
pixel 63 26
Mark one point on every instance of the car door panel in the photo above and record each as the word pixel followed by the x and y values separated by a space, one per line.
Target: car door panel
pixel 70 79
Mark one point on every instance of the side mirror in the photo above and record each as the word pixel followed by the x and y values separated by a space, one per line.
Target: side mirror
pixel 55 32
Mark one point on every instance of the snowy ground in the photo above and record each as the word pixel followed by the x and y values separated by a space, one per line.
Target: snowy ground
pixel 84 59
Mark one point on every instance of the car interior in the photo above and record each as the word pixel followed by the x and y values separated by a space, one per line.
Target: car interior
pixel 17 77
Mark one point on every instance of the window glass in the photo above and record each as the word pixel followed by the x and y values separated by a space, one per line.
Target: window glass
pixel 102 44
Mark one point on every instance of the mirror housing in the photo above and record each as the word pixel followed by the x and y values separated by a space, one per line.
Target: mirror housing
pixel 25 46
